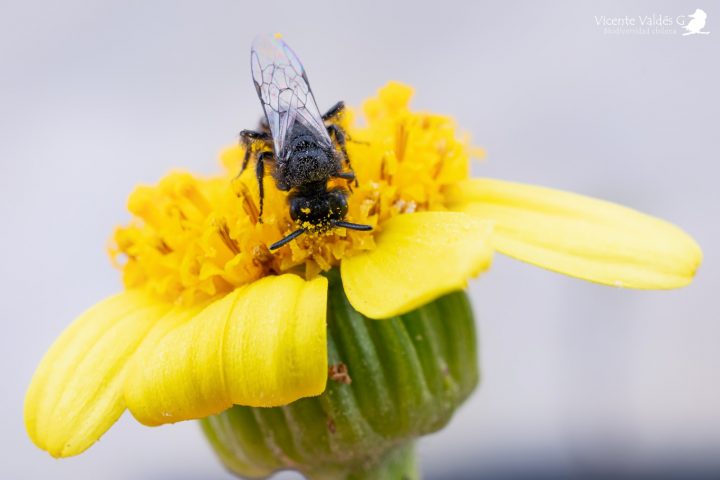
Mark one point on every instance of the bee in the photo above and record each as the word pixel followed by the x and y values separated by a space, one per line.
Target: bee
pixel 302 148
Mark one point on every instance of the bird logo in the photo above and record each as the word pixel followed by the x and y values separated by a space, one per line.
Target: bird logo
pixel 695 26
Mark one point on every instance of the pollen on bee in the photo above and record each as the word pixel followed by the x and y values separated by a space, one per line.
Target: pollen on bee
pixel 305 210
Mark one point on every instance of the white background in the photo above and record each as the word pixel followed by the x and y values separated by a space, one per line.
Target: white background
pixel 97 96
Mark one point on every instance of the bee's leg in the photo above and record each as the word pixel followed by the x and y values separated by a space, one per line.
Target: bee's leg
pixel 334 112
pixel 349 176
pixel 260 174
pixel 332 116
pixel 248 138
pixel 338 133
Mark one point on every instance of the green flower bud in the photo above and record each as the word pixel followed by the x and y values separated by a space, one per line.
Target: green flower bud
pixel 390 382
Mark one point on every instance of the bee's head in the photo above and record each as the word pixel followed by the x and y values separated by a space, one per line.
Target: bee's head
pixel 318 209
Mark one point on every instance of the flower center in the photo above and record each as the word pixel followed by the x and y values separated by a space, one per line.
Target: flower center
pixel 192 237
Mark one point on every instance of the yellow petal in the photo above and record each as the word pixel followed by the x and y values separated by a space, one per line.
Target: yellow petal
pixel 262 345
pixel 581 236
pixel 76 392
pixel 419 257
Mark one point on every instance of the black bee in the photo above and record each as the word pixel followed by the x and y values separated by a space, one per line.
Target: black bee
pixel 296 142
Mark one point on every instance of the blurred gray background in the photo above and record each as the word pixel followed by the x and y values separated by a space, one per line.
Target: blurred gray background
pixel 579 380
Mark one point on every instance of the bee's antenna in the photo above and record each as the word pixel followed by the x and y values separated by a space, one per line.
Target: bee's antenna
pixel 352 226
pixel 287 239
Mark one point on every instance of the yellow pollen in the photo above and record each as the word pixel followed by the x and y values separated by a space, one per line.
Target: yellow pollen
pixel 196 237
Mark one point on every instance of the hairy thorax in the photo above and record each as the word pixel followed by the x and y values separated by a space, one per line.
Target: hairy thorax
pixel 304 160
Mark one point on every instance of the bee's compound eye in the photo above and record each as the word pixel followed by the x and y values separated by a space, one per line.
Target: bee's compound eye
pixel 300 209
pixel 337 204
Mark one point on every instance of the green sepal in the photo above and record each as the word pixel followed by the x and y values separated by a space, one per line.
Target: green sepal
pixel 408 376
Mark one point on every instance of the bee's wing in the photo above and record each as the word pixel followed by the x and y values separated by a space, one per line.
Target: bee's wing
pixel 284 91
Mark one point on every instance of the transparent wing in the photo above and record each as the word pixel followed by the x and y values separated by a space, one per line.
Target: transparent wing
pixel 284 91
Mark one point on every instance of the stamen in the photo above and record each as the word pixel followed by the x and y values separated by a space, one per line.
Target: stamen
pixel 401 139
pixel 164 248
pixel 262 256
pixel 248 204
pixel 442 154
pixel 224 233
pixel 197 199
pixel 385 171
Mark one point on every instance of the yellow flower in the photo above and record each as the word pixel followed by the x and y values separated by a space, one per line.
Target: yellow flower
pixel 211 318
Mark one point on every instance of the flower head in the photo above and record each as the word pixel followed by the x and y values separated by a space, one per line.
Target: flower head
pixel 194 238
pixel 211 317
